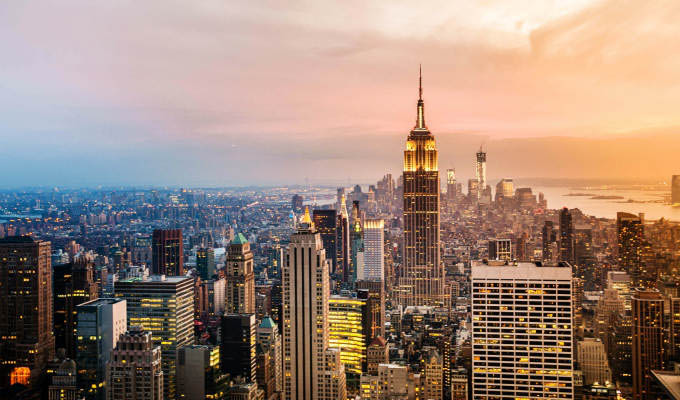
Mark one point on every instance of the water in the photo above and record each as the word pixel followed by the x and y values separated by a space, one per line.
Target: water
pixel 607 208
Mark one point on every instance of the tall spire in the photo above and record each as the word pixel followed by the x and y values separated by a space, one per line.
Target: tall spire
pixel 420 122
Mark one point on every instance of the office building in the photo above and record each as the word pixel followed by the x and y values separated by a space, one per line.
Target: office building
pixel 205 263
pixel 630 235
pixel 548 238
pixel 459 384
pixel 648 341
pixel 356 238
pixel 73 284
pixel 373 293
pixel 433 388
pixel 297 202
pixel 163 306
pixel 238 346
pixel 270 363
pixel 566 236
pixel 134 370
pixel 63 383
pixel 505 188
pixel 198 373
pixel 480 169
pixel 26 339
pixel 214 296
pixel 524 313
pixel 342 242
pixel 100 323
pixel 374 250
pixel 391 382
pixel 422 278
pixel 592 361
pixel 500 249
pixel 376 353
pixel 167 252
pixel 240 297
pixel 451 190
pixel 326 222
pixel 346 331
pixel 311 368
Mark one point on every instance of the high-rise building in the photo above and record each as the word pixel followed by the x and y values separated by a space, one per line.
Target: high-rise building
pixel 342 242
pixel 548 237
pixel 522 331
pixel 26 340
pixel 100 323
pixel 391 382
pixel 376 353
pixel 480 169
pixel 473 190
pixel 459 384
pixel 505 188
pixel 164 306
pixel 566 236
pixel 356 238
pixel 297 202
pixel 648 341
pixel 213 291
pixel 373 293
pixel 346 331
pixel 270 367
pixel 240 277
pixel 674 329
pixel 592 361
pixel 238 346
pixel 451 191
pixel 433 388
pixel 326 222
pixel 630 235
pixel 422 277
pixel 675 190
pixel 500 249
pixel 198 373
pixel 374 250
pixel 311 368
pixel 63 384
pixel 134 371
pixel 205 262
pixel 73 284
pixel 167 253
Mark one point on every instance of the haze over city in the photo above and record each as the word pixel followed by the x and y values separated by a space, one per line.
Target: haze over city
pixel 243 93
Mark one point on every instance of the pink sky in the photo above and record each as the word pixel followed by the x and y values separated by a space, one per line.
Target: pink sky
pixel 208 77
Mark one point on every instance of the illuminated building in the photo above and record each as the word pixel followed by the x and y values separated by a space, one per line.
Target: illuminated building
pixel 238 346
pixel 373 293
pixel 376 353
pixel 391 382
pixel 164 306
pixel 422 278
pixel 63 384
pixel 346 331
pixel 214 301
pixel 500 249
pixel 73 284
pixel 374 250
pixel 100 323
pixel 505 188
pixel 167 252
pixel 205 263
pixel 524 313
pixel 26 340
pixel 459 384
pixel 356 237
pixel 134 370
pixel 311 369
pixel 198 373
pixel 240 297
pixel 342 242
pixel 566 236
pixel 648 341
pixel 480 170
pixel 548 237
pixel 451 191
pixel 674 329
pixel 326 222
pixel 433 388
pixel 592 361
pixel 630 234
pixel 269 369
pixel 675 190
pixel 620 281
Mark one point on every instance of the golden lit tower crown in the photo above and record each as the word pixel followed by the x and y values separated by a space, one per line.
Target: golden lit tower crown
pixel 421 149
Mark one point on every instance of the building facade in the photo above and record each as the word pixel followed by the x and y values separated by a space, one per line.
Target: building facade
pixel 134 370
pixel 240 294
pixel 167 252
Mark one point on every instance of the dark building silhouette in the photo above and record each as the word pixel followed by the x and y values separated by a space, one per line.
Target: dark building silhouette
pixel 566 236
pixel 297 202
pixel 630 235
pixel 27 342
pixel 237 346
pixel 73 284
pixel 205 262
pixel 326 222
pixel 548 236
pixel 648 341
pixel 373 292
pixel 168 252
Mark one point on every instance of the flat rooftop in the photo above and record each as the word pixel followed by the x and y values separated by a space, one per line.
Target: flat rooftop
pixel 522 271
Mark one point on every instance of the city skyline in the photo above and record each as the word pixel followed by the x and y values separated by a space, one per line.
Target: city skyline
pixel 187 95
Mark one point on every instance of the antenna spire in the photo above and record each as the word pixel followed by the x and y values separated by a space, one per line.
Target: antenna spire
pixel 420 81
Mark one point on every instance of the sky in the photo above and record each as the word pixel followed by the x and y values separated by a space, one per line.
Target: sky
pixel 163 92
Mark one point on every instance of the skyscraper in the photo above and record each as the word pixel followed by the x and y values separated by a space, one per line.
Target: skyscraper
pixel 630 234
pixel 164 306
pixel 422 276
pixel 237 346
pixel 198 372
pixel 269 342
pixel 566 236
pixel 548 237
pixel 451 191
pixel 26 340
pixel 346 332
pixel 592 360
pixel 73 284
pixel 240 277
pixel 373 292
pixel 342 242
pixel 167 252
pixel 100 324
pixel 480 170
pixel 374 250
pixel 356 237
pixel 326 222
pixel 205 262
pixel 522 331
pixel 675 190
pixel 311 368
pixel 648 341
pixel 134 371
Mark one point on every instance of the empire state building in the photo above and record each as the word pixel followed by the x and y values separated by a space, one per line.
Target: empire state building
pixel 422 276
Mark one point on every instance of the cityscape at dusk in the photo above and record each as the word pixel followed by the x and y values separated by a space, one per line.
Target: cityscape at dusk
pixel 357 200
